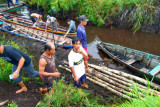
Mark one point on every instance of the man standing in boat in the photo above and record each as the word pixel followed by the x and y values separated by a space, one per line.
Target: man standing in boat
pixel 10 2
pixel 20 62
pixel 47 67
pixel 76 63
pixel 72 26
pixel 81 34
pixel 53 22
pixel 34 17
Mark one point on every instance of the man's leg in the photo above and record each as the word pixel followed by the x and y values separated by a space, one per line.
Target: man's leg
pixel 11 2
pixel 52 26
pixel 83 79
pixel 19 80
pixel 30 70
pixel 8 3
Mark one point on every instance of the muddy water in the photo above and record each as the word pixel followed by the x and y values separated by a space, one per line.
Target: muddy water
pixel 141 41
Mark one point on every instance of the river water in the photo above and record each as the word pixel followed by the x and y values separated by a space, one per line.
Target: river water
pixel 146 42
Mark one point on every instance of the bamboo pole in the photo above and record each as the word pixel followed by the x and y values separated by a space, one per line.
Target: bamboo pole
pixel 4 102
pixel 129 76
pixel 120 83
pixel 103 85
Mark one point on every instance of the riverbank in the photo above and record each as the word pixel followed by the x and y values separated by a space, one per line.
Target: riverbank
pixel 128 14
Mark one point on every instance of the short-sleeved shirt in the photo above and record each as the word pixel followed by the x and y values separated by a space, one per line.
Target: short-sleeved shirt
pixel 13 55
pixel 53 19
pixel 76 61
pixel 81 34
pixel 72 26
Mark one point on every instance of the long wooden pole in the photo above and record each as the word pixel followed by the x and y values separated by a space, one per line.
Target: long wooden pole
pixel 129 76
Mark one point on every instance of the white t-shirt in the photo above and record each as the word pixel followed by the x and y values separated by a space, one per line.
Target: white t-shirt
pixel 75 57
pixel 53 19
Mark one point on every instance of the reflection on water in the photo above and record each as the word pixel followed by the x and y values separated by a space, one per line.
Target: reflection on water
pixel 141 41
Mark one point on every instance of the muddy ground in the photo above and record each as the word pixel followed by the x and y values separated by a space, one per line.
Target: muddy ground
pixel 30 98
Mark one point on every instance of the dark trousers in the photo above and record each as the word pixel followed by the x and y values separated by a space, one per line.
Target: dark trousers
pixel 8 3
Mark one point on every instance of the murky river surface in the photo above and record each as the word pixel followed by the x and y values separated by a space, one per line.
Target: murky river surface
pixel 141 41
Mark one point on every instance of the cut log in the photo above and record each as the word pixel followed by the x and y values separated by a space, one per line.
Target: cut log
pixel 129 76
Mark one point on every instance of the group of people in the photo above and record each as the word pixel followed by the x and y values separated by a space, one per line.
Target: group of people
pixel 47 68
pixel 52 21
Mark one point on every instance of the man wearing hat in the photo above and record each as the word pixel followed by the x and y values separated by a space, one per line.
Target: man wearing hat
pixel 53 22
pixel 81 34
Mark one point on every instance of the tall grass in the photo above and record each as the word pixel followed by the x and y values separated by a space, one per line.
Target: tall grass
pixel 148 100
pixel 5 67
pixel 101 11
pixel 66 95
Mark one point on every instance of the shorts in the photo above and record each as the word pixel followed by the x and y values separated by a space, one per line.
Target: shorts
pixel 86 52
pixel 81 79
pixel 49 86
pixel 33 19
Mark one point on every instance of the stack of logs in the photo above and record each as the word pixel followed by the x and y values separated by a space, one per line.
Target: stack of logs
pixel 118 82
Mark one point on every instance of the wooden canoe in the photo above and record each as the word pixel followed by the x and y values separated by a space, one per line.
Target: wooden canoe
pixel 11 10
pixel 141 62
pixel 36 34
pixel 61 30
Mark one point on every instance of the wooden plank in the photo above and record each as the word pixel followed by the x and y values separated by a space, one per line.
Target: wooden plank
pixel 130 61
pixel 155 70
pixel 145 70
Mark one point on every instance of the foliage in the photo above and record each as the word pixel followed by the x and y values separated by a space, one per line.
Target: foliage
pixel 5 67
pixel 66 95
pixel 100 11
pixel 148 100
pixel 12 104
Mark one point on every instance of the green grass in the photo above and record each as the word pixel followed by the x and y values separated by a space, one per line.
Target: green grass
pixel 66 95
pixel 12 104
pixel 148 100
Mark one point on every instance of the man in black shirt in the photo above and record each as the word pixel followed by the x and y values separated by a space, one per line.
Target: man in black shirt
pixel 20 62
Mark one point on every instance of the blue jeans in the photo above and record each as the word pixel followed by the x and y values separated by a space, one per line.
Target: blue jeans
pixel 81 79
pixel 29 69
pixel 8 3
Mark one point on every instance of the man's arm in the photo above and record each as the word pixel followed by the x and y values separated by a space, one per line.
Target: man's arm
pixel 42 65
pixel 20 65
pixel 82 51
pixel 75 77
pixel 67 33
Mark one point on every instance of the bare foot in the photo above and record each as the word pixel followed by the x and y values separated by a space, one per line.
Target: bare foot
pixel 84 85
pixel 21 90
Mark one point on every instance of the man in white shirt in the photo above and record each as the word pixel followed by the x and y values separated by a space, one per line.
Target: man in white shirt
pixel 76 63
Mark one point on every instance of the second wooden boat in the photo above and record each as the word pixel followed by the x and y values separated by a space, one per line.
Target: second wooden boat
pixel 139 61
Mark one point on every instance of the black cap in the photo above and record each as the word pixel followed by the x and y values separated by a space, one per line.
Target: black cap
pixel 74 40
pixel 83 18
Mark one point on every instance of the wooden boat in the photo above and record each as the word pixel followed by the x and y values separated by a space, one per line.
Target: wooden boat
pixel 142 62
pixel 36 34
pixel 61 30
pixel 11 10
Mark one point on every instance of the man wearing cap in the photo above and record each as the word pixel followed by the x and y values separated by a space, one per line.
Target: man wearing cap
pixel 53 22
pixel 20 62
pixel 81 34
pixel 72 27
pixel 76 63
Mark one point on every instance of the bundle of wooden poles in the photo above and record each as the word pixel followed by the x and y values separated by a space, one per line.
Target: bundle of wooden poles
pixel 118 82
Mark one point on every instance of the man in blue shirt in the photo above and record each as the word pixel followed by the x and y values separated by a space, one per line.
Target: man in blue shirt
pixel 72 27
pixel 81 34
